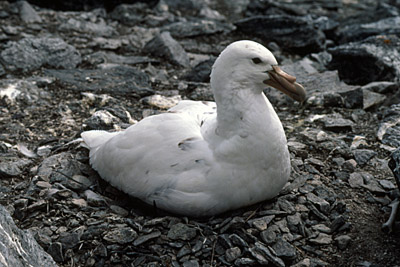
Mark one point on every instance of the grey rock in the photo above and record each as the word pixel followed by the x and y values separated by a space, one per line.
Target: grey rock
pixel 98 28
pixel 266 252
pixel 100 120
pixel 232 254
pixel 238 241
pixel 261 223
pixel 18 247
pixel 352 97
pixel 362 156
pixel 184 29
pixel 371 99
pixel 356 180
pixel 321 203
pixel 336 123
pixel 144 238
pixel 244 262
pixel 270 235
pixel 284 250
pixel 129 14
pixel 295 223
pixel 185 250
pixel 120 235
pixel 394 165
pixel 27 13
pixel 13 167
pixel 389 129
pixel 69 240
pixel 31 53
pixel 342 241
pixel 201 72
pixel 94 199
pixel 290 32
pixel 121 80
pixel 191 263
pixel 102 57
pixel 386 184
pixel 358 32
pixel 181 231
pixel 373 59
pixel 322 239
pixel 337 223
pixel 163 45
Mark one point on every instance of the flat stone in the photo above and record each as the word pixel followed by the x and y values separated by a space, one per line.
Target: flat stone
pixel 94 199
pixel 31 53
pixel 323 205
pixel 182 29
pixel 163 45
pixel 13 167
pixel 362 156
pixel 122 235
pixel 191 263
pixel 356 180
pixel 381 87
pixel 245 262
pixel 27 13
pixel 284 249
pixel 266 253
pixel 120 80
pixel 55 250
pixel 386 184
pixel 69 239
pixel 181 231
pixel 100 120
pixel 119 210
pixel 394 165
pixel 389 129
pixel 336 123
pixel 371 99
pixel 144 238
pixel 322 239
pixel 261 223
pixel 79 202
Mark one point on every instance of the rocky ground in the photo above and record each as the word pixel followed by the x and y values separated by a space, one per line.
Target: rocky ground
pixel 62 72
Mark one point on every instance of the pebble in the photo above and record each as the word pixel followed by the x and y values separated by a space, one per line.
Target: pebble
pixel 232 254
pixel 94 199
pixel 181 231
pixel 122 235
pixel 322 239
pixel 284 250
pixel 261 223
pixel 342 241
pixel 144 238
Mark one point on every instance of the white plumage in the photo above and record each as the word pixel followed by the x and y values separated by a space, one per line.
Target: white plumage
pixel 203 158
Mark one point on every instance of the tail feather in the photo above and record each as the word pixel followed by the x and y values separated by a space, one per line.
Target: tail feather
pixel 96 138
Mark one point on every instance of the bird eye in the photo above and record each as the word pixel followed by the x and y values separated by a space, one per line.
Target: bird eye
pixel 256 60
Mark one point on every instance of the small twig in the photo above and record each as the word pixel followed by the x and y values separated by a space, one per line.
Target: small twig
pixel 213 252
pixel 69 177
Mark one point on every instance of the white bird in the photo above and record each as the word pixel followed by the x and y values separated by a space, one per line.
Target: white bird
pixel 204 158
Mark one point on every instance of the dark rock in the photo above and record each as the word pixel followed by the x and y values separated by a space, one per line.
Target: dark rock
pixel 238 241
pixel 12 167
pixel 358 32
pixel 284 249
pixel 181 231
pixel 32 53
pixel 163 45
pixel 336 123
pixel 144 238
pixel 184 29
pixel 297 34
pixel 80 24
pixel 381 87
pixel 18 247
pixel 267 254
pixel 337 223
pixel 120 235
pixel 373 59
pixel 185 250
pixel 201 72
pixel 353 97
pixel 322 239
pixel 69 240
pixel 342 241
pixel 362 156
pixel 55 250
pixel 321 203
pixel 110 57
pixel 122 80
pixel 371 99
pixel 27 13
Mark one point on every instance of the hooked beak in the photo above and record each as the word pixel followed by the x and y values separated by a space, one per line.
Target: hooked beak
pixel 286 84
